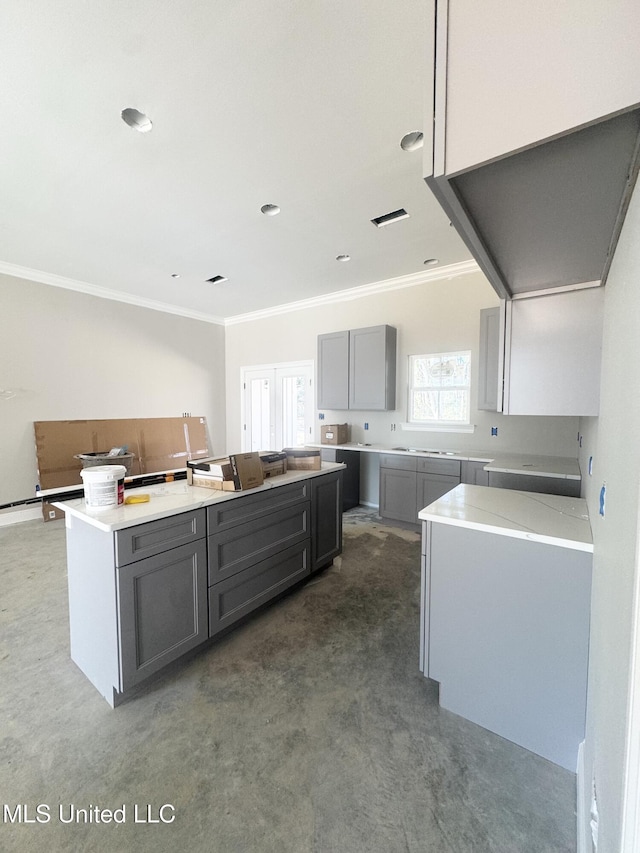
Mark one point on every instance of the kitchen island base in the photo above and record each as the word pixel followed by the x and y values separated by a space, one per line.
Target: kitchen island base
pixel 145 594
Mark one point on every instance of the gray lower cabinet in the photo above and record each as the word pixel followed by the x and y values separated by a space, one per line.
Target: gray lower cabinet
pixel 143 596
pixel 326 519
pixel 473 473
pixel 407 484
pixel 163 610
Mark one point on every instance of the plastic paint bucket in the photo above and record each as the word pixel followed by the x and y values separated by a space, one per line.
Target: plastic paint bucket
pixel 103 486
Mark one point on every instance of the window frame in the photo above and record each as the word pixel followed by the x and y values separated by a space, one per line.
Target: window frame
pixel 412 388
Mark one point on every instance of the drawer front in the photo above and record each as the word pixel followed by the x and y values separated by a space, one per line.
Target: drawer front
pixel 146 540
pixel 241 546
pixel 400 463
pixel 233 598
pixel 450 467
pixel 250 507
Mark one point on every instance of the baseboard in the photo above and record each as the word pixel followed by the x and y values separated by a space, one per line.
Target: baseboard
pixel 581 817
pixel 15 516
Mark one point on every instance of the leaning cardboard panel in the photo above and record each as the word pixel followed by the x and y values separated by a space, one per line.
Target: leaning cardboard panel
pixel 159 444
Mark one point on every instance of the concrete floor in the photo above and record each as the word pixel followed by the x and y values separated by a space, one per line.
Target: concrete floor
pixel 309 728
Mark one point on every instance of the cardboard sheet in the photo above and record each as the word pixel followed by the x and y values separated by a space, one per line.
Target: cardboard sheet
pixel 159 444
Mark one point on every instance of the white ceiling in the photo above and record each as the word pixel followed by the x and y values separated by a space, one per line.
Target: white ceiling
pixel 301 103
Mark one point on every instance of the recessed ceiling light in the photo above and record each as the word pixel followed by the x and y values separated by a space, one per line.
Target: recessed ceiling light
pixel 175 275
pixel 137 120
pixel 270 209
pixel 431 262
pixel 343 258
pixel 217 279
pixel 412 141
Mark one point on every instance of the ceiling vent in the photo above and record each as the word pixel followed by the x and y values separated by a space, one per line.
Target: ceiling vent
pixel 217 279
pixel 388 218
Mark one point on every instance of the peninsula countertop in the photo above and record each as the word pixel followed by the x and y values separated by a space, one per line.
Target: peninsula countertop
pixel 562 467
pixel 551 519
pixel 171 498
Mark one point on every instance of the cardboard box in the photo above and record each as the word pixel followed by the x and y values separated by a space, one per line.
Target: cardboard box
pixel 219 465
pixel 273 464
pixel 299 459
pixel 233 473
pixel 159 444
pixel 334 434
pixel 247 470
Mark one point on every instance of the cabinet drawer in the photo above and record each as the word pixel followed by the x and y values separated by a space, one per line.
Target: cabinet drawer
pixel 428 465
pixel 145 540
pixel 239 510
pixel 241 546
pixel 233 598
pixel 400 463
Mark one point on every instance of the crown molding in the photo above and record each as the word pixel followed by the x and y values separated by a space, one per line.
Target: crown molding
pixel 104 292
pixel 411 280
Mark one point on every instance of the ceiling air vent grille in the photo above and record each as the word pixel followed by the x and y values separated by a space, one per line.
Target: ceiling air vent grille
pixel 217 279
pixel 388 218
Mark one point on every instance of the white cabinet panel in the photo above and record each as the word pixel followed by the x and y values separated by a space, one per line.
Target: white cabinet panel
pixel 518 73
pixel 553 354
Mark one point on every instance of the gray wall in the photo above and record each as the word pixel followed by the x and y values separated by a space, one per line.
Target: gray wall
pixel 72 356
pixel 612 440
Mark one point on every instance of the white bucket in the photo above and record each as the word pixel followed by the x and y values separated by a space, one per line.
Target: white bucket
pixel 103 486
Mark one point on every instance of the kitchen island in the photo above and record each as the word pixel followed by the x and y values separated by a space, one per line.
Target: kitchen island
pixel 505 612
pixel 151 582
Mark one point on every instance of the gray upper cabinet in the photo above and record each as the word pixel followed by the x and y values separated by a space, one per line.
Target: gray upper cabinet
pixel 333 370
pixel 538 194
pixel 489 359
pixel 357 369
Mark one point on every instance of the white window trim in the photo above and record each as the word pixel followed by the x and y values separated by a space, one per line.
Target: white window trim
pixel 437 426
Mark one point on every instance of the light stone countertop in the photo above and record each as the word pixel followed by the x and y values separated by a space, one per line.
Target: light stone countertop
pixel 170 498
pixel 551 519
pixel 563 467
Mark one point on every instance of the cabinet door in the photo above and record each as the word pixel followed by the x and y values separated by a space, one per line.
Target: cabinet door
pixel 372 368
pixel 326 519
pixel 398 495
pixel 154 537
pixel 350 475
pixel 430 487
pixel 489 360
pixel 162 609
pixel 333 370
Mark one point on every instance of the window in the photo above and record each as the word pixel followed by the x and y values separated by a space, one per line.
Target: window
pixel 439 388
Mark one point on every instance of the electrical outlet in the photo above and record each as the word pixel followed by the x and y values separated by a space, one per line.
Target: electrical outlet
pixel 590 465
pixel 494 430
pixel 320 416
pixel 603 495
pixel 366 426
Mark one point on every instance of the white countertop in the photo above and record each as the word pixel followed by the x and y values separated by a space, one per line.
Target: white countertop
pixel 563 467
pixel 170 498
pixel 551 519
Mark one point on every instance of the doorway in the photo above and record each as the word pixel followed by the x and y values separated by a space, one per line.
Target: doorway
pixel 277 406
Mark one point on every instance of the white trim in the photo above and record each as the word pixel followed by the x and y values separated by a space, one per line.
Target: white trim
pixel 581 820
pixel 104 292
pixel 438 427
pixel 17 515
pixel 631 792
pixel 422 277
pixel 448 272
pixel 565 288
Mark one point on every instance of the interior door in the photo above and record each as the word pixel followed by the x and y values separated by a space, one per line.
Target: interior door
pixel 277 406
